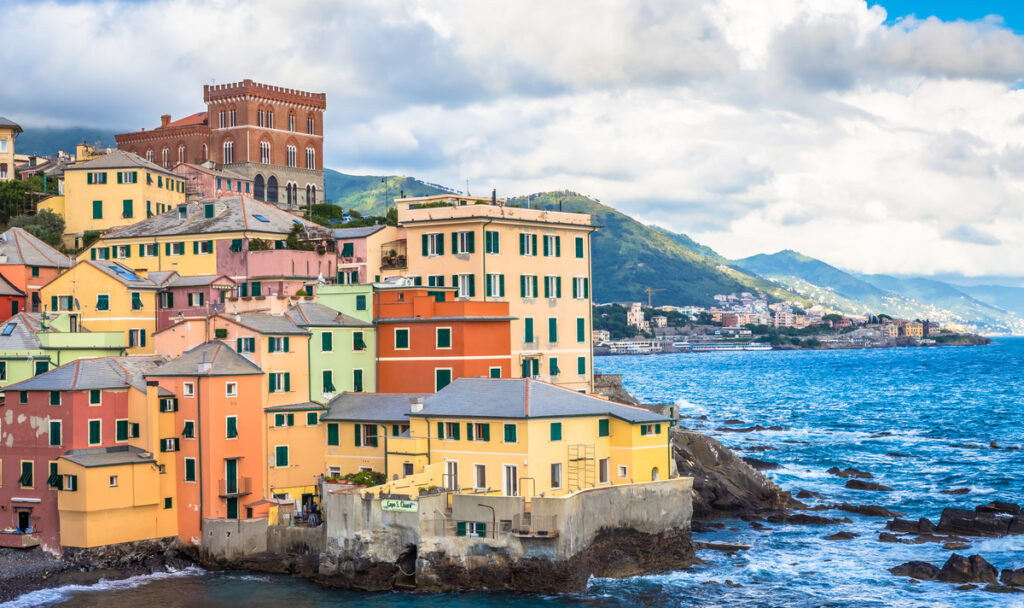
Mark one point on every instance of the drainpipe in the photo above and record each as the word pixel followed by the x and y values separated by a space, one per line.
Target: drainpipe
pixel 385 452
pixel 484 257
pixel 590 305
pixel 199 460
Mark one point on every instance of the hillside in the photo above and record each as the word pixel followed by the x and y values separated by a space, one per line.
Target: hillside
pixel 366 193
pixel 47 141
pixel 1009 298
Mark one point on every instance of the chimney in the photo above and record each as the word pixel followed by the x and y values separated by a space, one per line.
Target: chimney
pixel 165 120
pixel 204 366
pixel 416 404
pixel 494 196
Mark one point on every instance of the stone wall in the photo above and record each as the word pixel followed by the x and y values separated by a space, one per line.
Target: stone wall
pixel 227 539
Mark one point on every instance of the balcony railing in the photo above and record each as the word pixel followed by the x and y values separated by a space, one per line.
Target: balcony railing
pixel 235 487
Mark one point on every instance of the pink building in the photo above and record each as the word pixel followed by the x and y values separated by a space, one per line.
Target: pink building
pixel 276 272
pixel 204 181
pixel 183 298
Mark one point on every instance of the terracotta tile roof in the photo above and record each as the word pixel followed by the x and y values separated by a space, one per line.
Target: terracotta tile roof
pixel 199 118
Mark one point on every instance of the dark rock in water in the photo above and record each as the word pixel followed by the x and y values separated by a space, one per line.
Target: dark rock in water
pixel 760 448
pixel 1016 524
pixel 868 510
pixel 992 444
pixel 1012 577
pixel 725 547
pixel 761 465
pixel 1002 589
pixel 898 455
pixel 973 569
pixel 734 421
pixel 973 523
pixel 805 494
pixel 755 525
pixel 967 446
pixel 956 546
pixel 998 506
pixel 750 429
pixel 723 485
pixel 967 587
pixel 857 484
pixel 706 526
pixel 886 537
pixel 850 472
pixel 842 536
pixel 921 526
pixel 957 491
pixel 802 519
pixel 919 570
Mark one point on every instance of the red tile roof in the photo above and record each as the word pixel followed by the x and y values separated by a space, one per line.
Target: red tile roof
pixel 199 118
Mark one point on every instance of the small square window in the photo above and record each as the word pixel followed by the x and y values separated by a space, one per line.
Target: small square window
pixel 231 389
pixel 188 389
pixel 113 481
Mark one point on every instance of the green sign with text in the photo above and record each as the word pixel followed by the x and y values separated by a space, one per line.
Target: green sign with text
pixel 391 504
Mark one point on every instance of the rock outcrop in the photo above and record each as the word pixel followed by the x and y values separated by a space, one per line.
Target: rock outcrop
pixel 980 522
pixel 1012 577
pixel 922 571
pixel 857 484
pixel 973 569
pixel 723 485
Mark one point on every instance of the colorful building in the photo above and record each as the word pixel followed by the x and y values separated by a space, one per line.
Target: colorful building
pixel 271 135
pixel 206 181
pixel 514 437
pixel 9 131
pixel 12 299
pixel 29 263
pixel 342 350
pixel 426 339
pixel 86 404
pixel 194 297
pixel 370 253
pixel 107 296
pixel 118 189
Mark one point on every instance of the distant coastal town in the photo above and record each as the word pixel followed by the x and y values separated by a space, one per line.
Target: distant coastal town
pixel 749 322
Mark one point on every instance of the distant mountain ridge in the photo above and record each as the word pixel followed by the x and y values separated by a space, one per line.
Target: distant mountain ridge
pixel 47 141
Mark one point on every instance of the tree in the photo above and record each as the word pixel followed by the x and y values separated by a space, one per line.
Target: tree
pixel 46 225
pixel 832 318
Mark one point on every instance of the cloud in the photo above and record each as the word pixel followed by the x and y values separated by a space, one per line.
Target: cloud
pixel 752 125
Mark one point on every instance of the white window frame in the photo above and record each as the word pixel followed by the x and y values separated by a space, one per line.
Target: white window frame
pixel 462 242
pixel 194 433
pixel 578 287
pixel 451 337
pixel 222 119
pixel 603 471
pixel 479 469
pixel 490 369
pixel 233 117
pixel 556 466
pixel 549 240
pixel 528 286
pixel 334 471
pixel 265 152
pixel 230 389
pixel 408 341
pixel 464 281
pixel 434 241
pixel 528 244
pixel 184 470
pixel 551 283
pixel 623 471
pixel 88 431
pixel 205 247
pixel 194 295
pixel 310 158
pixel 226 418
pixel 113 481
pixel 290 154
pixel 188 389
pixel 229 153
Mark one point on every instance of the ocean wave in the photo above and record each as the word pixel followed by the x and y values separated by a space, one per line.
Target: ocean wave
pixel 50 597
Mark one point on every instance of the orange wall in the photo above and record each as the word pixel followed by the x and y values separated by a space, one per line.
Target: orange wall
pixel 21 277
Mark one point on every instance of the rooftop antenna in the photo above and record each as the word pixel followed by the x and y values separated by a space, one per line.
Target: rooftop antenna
pixel 467 187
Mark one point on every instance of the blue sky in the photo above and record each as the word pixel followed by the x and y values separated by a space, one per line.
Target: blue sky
pixel 948 10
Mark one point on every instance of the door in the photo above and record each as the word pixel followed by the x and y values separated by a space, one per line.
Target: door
pixel 24 520
pixel 510 480
pixel 232 508
pixel 451 475
pixel 231 477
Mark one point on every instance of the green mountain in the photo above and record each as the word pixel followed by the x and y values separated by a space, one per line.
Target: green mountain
pixel 1001 296
pixel 690 244
pixel 366 193
pixel 47 141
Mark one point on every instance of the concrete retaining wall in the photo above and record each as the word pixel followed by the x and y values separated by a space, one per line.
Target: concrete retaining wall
pixel 234 538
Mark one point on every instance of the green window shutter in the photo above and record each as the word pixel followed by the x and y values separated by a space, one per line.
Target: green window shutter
pixel 54 397
pixel 657 429
pixel 195 246
pixel 122 429
pixel 581 365
pixel 119 177
pixel 134 427
pixel 326 341
pixel 209 246
pixel 208 210
pixel 287 348
pixel 95 397
pixel 522 244
pixel 440 430
pixel 190 469
pixel 472 284
pixel 232 429
pixel 92 253
pixel 469 431
pixel 423 240
pixel 522 286
pixel 586 288
pixel 444 338
pixel 535 290
pixel 357 380
pixel 455 242
pixel 533 243
pixel 579 246
pixel 460 528
pixel 510 433
pixel 455 432
pixel 360 302
pixel 558 246
pixel 281 453
pixel 401 338
pixel 238 344
pixel 556 431
pixel 291 419
pixel 528 329
pixel 602 427
pixel 278 419
pixel 256 288
pixel 485 433
pixel 472 245
pixel 287 382
pixel 88 178
pixel 54 432
pixel 53 299
pixel 271 383
pixel 553 329
pixel 442 378
pixel 440 243
pixel 332 434
pixel 94 431
pixel 167 249
pixel 558 287
pixel 126 208
pixel 97 210
pixel 358 435
pixel 547 288
pixel 501 286
pixel 643 429
pixel 581 334
pixel 546 251
pixel 575 289
pixel 553 366
pixel 271 345
pixel 347 250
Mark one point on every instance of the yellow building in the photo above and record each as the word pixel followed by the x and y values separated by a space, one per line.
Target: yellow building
pixel 513 437
pixel 297 429
pixel 913 329
pixel 8 133
pixel 538 261
pixel 107 296
pixel 114 190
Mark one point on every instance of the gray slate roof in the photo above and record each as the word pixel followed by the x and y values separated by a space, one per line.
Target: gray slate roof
pixel 357 233
pixel 521 398
pixel 314 314
pixel 118 159
pixel 224 361
pixel 6 122
pixel 23 337
pixel 370 407
pixel 90 374
pixel 109 456
pixel 230 214
pixel 19 246
pixel 126 275
pixel 201 280
pixel 296 407
pixel 267 324
pixel 8 289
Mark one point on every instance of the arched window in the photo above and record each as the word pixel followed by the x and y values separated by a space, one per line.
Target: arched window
pixel 257 188
pixel 270 118
pixel 307 195
pixel 149 155
pixel 291 192
pixel 181 153
pixel 291 121
pixel 310 158
pixel 206 153
pixel 259 117
pixel 311 197
pixel 233 117
pixel 265 152
pixel 166 157
pixel 272 189
pixel 291 155
pixel 229 152
pixel 310 124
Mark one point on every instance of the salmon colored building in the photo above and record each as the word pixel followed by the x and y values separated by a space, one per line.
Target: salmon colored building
pixel 426 339
pixel 28 263
pixel 210 418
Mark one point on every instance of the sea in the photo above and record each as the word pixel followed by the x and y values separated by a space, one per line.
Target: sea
pixel 921 420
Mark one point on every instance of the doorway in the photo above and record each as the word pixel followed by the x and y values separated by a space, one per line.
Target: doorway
pixel 24 520
pixel 451 475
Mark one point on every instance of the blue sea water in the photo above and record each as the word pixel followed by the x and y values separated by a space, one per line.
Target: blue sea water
pixel 941 407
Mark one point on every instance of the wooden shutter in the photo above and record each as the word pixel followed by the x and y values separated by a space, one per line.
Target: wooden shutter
pixel 471 245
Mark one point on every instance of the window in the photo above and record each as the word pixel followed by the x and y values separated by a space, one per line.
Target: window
pixel 54 480
pixel 169 445
pixel 265 152
pixel 357 341
pixel 495 285
pixel 580 288
pixel 54 397
pixel 448 430
pixel 195 298
pixel 312 418
pixel 309 125
pixel 97 210
pixel 233 117
pixel 35 271
pixel 328 381
pixel 149 155
pixel 357 380
pixel 491 244
pixel 165 157
pixel 443 337
pixel 223 119
pixel 190 469
pixel 528 285
pixel 366 435
pixel 326 341
pixel 290 155
pixel 168 502
pixel 435 280
pixel 278 344
pixel 332 434
pixel 70 483
pixel 556 475
pixel 623 471
pixel 552 287
pixel 552 329
pixel 553 366
pixel 579 247
pixel 136 338
pixel 27 470
pixel 179 247
pixel 462 242
pixel 528 330
pixel 360 302
pixel 556 431
pixel 136 300
pixel 96 177
pixel 602 470
pixel 478 431
pixel 168 405
pixel 280 382
pixel 310 158
pixel 55 432
pixel 95 432
pixel 552 246
pixel 229 155
pixel 442 378
pixel 188 389
pixel 581 329
pixel 202 247
pixel 510 433
pixel 581 366
pixel 527 244
pixel 466 284
pixel 231 427
pixel 245 345
pixel 480 477
pixel 291 122
pixel 401 339
pixel 8 330
pixel 123 251
pixel 494 372
pixel 650 429
pixel 433 244
pixel 120 430
pixel 284 420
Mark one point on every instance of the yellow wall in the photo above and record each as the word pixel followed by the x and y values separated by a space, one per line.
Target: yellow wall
pixel 98 514
pixel 85 282
pixel 305 454
pixel 151 187
pixel 348 456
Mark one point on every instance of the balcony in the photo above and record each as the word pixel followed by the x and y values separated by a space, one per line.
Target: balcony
pixel 11 540
pixel 393 256
pixel 232 488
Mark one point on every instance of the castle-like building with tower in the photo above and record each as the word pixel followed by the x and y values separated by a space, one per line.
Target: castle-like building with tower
pixel 271 135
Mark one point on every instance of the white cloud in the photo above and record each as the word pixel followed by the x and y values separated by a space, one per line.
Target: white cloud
pixel 753 125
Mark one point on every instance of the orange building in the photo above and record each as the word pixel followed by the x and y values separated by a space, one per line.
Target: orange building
pixel 425 339
pixel 211 414
pixel 28 263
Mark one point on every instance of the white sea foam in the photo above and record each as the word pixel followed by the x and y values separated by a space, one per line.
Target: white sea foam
pixel 49 597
